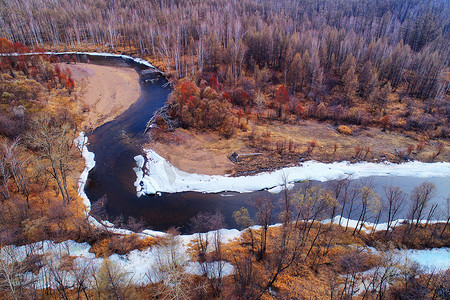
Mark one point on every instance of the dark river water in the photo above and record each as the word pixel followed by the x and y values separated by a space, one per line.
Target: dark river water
pixel 117 142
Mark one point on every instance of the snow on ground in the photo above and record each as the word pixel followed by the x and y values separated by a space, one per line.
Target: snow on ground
pixel 161 176
pixel 89 157
pixel 140 265
pixel 432 259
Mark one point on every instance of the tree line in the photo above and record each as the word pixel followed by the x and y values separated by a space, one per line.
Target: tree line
pixel 308 42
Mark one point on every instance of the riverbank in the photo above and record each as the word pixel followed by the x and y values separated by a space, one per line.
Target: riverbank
pixel 209 152
pixel 105 91
pixel 155 175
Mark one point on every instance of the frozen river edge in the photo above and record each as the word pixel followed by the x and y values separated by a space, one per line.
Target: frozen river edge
pixel 156 175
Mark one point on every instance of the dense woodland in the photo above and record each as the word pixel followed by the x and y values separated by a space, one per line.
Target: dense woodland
pixel 330 52
pixel 362 63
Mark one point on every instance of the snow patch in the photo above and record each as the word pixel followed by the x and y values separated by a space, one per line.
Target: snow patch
pixel 433 259
pixel 103 54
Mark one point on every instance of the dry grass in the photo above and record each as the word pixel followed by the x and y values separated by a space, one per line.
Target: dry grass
pixel 208 151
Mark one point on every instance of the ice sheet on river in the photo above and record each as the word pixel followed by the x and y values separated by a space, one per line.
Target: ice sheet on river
pixel 159 175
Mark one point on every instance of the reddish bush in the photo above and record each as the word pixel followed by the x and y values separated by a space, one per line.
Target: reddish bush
pixel 311 145
pixel 410 149
pixel 335 148
pixel 226 96
pixel 70 84
pixel 6 46
pixel 240 97
pixel 20 47
pixel 299 111
pixel 439 148
pixel 358 151
pixel 210 111
pixel 213 83
pixel 281 95
pixel 420 146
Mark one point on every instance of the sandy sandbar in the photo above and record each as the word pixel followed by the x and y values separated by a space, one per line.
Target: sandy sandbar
pixel 105 91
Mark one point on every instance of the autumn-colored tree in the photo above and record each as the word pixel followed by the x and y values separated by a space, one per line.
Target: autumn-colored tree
pixel 369 203
pixel 294 72
pixel 281 98
pixel 350 82
pixel 367 79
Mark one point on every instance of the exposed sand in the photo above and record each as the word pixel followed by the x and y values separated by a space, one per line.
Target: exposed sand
pixel 105 91
pixel 201 153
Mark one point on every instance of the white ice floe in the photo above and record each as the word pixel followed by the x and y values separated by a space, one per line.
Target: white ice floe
pixel 161 176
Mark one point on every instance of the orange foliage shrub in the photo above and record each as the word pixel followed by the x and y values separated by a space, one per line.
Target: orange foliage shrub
pixel 385 122
pixel 344 130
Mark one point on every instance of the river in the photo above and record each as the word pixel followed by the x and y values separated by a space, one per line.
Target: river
pixel 117 142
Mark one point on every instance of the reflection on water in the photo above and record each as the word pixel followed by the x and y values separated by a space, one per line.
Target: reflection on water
pixel 117 142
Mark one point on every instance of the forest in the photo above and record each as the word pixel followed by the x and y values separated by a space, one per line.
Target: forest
pixel 238 69
pixel 343 61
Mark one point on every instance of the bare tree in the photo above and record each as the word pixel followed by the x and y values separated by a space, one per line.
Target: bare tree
pixel 395 199
pixel 369 202
pixel 83 272
pixel 4 178
pixel 420 197
pixel 17 163
pixel 53 139
pixel 338 187
pixel 350 264
pixel 13 279
pixel 112 282
pixel 209 244
pixel 264 210
pixel 383 275
pixel 169 269
pixel 245 280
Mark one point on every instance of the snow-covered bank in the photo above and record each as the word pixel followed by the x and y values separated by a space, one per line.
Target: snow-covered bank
pixel 89 157
pixel 161 176
pixel 370 227
pixel 81 143
pixel 432 259
pixel 141 266
pixel 103 54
